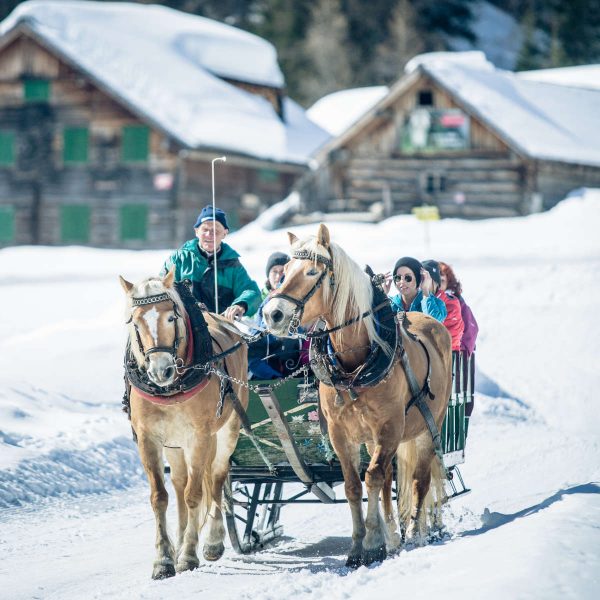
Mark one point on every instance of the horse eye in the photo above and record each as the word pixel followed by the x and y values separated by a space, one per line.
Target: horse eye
pixel 171 318
pixel 312 272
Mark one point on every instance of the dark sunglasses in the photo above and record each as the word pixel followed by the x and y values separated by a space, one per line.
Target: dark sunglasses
pixel 407 278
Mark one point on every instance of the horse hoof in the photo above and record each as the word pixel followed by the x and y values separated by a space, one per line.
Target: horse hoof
pixel 187 564
pixel 161 571
pixel 376 555
pixel 213 552
pixel 354 562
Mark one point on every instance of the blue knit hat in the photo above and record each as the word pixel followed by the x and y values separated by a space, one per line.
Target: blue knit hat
pixel 207 215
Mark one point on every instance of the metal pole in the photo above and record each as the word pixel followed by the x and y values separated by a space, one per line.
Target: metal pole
pixel 214 160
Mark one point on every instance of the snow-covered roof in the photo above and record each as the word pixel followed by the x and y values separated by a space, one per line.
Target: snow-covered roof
pixel 337 111
pixel 585 76
pixel 167 67
pixel 538 119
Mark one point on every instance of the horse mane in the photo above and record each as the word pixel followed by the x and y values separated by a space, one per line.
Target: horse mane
pixel 352 293
pixel 151 287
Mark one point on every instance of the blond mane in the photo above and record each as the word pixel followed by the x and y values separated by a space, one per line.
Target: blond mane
pixel 352 293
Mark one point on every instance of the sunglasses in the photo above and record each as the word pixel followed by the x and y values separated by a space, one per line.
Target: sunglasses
pixel 407 278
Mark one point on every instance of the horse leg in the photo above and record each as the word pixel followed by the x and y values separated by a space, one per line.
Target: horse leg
pixel 374 544
pixel 226 441
pixel 197 499
pixel 417 526
pixel 179 478
pixel 151 456
pixel 393 537
pixel 349 456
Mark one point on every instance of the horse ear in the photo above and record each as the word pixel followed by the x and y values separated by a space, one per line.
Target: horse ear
pixel 323 235
pixel 293 238
pixel 169 278
pixel 125 284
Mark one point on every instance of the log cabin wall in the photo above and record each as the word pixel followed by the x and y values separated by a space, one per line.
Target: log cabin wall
pixel 78 167
pixel 484 179
pixel 555 180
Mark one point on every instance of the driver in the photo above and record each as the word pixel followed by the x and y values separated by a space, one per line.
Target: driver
pixel 238 295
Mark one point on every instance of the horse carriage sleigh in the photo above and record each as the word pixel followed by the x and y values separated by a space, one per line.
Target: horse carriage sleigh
pixel 389 407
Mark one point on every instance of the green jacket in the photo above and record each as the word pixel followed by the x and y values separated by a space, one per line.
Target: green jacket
pixel 234 283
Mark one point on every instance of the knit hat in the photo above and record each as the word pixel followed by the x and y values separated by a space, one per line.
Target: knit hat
pixel 412 263
pixel 207 215
pixel 433 266
pixel 277 258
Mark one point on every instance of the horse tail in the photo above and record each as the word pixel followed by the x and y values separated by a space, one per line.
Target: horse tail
pixel 406 461
pixel 408 455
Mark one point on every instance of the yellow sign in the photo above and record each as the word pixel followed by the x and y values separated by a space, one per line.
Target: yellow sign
pixel 426 213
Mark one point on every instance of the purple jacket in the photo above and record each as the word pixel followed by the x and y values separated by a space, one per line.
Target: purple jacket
pixel 469 336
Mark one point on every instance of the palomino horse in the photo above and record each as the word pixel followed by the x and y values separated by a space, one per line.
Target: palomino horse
pixel 196 430
pixel 321 281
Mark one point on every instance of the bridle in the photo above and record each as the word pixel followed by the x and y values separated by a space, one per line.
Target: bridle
pixel 157 299
pixel 300 304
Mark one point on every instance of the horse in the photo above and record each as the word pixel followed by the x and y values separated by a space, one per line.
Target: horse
pixel 196 429
pixel 323 282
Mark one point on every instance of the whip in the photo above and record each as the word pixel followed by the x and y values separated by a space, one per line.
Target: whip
pixel 214 160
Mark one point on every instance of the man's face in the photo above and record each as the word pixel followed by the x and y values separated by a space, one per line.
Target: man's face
pixel 210 235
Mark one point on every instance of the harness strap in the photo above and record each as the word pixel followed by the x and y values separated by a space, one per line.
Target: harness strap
pixel 418 400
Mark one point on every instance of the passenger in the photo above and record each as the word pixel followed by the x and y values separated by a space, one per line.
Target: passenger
pixel 453 321
pixel 238 295
pixel 450 284
pixel 275 266
pixel 272 357
pixel 415 288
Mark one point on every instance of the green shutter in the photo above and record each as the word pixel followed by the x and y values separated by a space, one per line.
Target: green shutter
pixel 134 222
pixel 75 146
pixel 7 224
pixel 268 175
pixel 7 148
pixel 36 90
pixel 135 143
pixel 75 223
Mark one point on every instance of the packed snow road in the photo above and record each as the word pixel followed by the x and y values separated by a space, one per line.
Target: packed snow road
pixel 75 520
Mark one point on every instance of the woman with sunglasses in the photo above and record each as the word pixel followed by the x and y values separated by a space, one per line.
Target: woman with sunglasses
pixel 415 288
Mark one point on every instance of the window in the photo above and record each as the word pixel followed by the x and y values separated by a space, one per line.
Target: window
pixel 7 148
pixel 425 98
pixel 134 222
pixel 75 145
pixel 135 143
pixel 7 224
pixel 36 90
pixel 75 223
pixel 433 183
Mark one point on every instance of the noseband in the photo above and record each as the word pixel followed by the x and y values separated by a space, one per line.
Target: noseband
pixel 157 299
pixel 300 304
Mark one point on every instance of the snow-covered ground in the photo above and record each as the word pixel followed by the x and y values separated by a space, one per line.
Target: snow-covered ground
pixel 75 521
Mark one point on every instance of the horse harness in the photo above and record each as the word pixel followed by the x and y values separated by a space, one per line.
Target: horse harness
pixel 378 363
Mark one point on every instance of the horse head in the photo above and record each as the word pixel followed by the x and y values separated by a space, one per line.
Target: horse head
pixel 156 326
pixel 305 292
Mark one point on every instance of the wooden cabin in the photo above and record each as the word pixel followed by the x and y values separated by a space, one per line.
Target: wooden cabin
pixel 472 140
pixel 91 153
